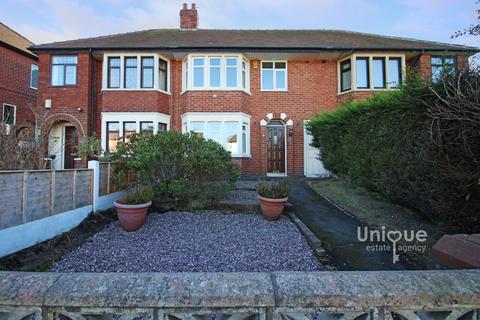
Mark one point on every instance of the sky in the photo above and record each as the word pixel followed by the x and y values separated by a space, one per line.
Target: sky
pixel 43 21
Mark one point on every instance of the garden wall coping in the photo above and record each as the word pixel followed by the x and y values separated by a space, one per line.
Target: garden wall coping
pixel 348 290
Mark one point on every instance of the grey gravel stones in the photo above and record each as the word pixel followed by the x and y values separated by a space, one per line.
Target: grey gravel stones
pixel 205 241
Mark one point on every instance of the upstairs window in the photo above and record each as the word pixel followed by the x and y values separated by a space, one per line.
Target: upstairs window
pixel 162 74
pixel 130 72
pixel 274 76
pixel 363 74
pixel 147 72
pixel 232 72
pixel 441 65
pixel 9 114
pixel 371 72
pixel 114 72
pixel 394 72
pixel 64 70
pixel 345 75
pixel 34 76
pixel 378 68
pixel 215 72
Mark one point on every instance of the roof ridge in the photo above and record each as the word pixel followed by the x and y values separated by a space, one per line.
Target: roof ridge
pixel 20 35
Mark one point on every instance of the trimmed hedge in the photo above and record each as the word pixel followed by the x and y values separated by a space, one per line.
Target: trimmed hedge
pixel 387 145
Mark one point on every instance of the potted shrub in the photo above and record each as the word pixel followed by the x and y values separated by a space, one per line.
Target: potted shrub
pixel 133 208
pixel 273 196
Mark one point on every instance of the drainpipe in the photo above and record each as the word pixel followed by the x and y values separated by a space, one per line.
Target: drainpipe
pixel 92 93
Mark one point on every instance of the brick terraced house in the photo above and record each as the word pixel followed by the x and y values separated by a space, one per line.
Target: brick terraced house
pixel 18 78
pixel 250 90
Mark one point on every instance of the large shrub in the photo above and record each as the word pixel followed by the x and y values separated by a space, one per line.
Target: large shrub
pixel 418 146
pixel 177 166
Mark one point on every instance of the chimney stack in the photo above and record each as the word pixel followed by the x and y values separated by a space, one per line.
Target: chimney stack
pixel 189 17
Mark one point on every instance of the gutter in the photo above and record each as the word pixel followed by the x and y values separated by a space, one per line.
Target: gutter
pixel 257 49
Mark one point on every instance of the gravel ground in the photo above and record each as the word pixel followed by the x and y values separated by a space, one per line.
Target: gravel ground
pixel 208 241
pixel 242 197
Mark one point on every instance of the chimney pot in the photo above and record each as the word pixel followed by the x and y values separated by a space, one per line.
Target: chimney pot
pixel 185 6
pixel 194 6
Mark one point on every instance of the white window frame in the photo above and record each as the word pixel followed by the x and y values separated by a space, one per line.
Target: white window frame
pixel 33 66
pixel 274 75
pixel 136 117
pixel 14 113
pixel 370 56
pixel 122 56
pixel 221 117
pixel 187 68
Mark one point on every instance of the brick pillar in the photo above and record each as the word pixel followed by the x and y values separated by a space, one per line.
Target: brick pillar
pixel 425 66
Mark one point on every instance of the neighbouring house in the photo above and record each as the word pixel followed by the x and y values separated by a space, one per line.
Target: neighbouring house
pixel 18 78
pixel 250 90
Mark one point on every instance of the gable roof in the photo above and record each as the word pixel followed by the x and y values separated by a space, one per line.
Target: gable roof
pixel 15 41
pixel 269 40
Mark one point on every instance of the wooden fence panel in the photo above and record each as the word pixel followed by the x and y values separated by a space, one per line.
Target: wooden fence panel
pixel 83 188
pixel 11 193
pixel 63 198
pixel 104 178
pixel 37 201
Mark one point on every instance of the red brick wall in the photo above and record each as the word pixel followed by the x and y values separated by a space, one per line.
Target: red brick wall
pixel 66 99
pixel 15 88
pixel 312 88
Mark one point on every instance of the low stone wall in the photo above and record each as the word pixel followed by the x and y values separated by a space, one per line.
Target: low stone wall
pixel 411 295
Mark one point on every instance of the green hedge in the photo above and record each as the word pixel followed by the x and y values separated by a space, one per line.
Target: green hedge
pixel 385 145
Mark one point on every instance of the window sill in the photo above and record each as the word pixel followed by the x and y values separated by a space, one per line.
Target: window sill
pixel 134 89
pixel 366 90
pixel 273 90
pixel 33 88
pixel 215 90
pixel 64 86
pixel 239 156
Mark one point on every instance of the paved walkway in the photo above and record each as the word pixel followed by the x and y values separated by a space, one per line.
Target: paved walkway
pixel 338 231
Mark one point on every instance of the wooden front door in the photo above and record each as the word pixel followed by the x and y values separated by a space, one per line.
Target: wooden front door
pixel 276 149
pixel 71 141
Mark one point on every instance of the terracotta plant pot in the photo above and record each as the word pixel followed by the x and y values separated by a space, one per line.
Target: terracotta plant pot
pixel 272 208
pixel 131 216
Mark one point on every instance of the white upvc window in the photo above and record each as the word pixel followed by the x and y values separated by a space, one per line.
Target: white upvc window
pixel 274 76
pixel 118 126
pixel 230 129
pixel 372 71
pixel 9 114
pixel 34 77
pixel 132 71
pixel 215 72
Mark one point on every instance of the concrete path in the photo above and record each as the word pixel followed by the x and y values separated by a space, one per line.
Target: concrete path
pixel 338 232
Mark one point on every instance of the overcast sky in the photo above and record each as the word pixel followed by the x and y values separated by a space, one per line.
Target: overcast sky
pixel 44 21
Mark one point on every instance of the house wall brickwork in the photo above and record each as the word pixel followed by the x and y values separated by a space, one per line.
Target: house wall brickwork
pixel 312 88
pixel 15 72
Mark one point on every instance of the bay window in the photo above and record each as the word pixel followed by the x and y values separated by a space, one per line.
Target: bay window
pixel 215 72
pixel 371 72
pixel 274 76
pixel 229 129
pixel 120 126
pixel 135 72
